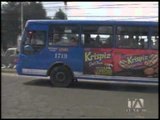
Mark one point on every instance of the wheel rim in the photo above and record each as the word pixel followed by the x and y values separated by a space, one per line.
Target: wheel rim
pixel 60 76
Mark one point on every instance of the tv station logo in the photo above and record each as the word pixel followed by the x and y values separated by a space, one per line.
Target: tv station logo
pixel 136 105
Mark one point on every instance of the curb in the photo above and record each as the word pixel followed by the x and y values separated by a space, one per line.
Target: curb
pixel 8 70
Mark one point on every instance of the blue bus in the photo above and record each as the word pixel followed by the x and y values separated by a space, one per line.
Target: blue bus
pixel 66 50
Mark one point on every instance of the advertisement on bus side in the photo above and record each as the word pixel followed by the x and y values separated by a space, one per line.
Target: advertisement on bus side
pixel 105 61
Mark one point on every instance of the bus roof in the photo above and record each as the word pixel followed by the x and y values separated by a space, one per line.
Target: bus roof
pixel 91 22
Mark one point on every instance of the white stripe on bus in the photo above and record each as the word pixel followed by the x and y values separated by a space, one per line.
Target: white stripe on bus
pixel 34 71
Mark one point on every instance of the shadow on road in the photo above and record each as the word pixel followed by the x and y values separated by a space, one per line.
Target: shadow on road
pixel 39 82
pixel 99 86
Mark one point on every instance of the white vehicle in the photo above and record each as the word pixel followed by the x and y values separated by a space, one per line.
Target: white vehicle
pixel 9 57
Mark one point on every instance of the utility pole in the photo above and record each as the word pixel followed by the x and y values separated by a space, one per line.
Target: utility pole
pixel 20 35
pixel 65 2
pixel 21 17
pixel 65 6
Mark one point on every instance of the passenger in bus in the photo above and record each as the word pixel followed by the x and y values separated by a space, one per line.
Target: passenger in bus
pixel 156 44
pixel 133 43
pixel 36 39
pixel 98 42
pixel 142 44
pixel 121 43
pixel 59 39
pixel 88 40
pixel 74 41
pixel 56 38
pixel 87 37
pixel 33 37
pixel 109 42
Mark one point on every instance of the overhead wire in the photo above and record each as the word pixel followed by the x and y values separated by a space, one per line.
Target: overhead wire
pixel 55 6
pixel 71 7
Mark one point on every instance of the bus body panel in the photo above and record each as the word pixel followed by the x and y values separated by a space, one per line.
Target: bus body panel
pixel 138 62
pixel 121 62
pixel 67 56
pixel 41 62
pixel 98 61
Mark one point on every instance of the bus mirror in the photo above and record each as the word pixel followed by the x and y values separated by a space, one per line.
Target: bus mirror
pixel 28 49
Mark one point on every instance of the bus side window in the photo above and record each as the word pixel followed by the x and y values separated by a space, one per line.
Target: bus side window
pixel 132 37
pixel 97 36
pixel 64 35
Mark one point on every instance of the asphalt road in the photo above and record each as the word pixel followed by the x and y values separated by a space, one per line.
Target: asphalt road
pixel 34 97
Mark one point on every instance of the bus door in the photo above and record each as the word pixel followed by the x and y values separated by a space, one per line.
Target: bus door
pixel 33 50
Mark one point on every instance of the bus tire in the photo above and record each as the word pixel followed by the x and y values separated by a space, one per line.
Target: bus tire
pixel 61 76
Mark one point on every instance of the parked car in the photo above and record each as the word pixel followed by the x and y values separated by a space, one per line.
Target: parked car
pixel 9 58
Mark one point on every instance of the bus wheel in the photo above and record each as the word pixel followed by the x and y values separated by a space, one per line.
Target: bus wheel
pixel 61 76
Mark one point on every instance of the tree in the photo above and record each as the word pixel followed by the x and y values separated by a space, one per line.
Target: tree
pixel 60 15
pixel 11 22
pixel 34 10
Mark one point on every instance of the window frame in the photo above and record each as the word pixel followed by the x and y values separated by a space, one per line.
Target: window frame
pixel 98 33
pixel 50 35
pixel 37 48
pixel 152 33
pixel 139 34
